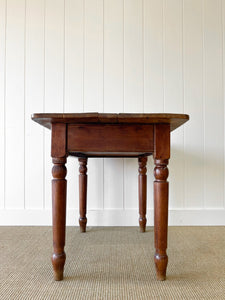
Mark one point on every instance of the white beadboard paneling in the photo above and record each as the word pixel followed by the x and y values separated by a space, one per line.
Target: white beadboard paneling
pixel 72 183
pixel 93 55
pixel 93 90
pixel 193 103
pixel 173 94
pixel 74 42
pixel 34 102
pixel 133 87
pixel 130 183
pixel 113 183
pixel 213 106
pixel 54 77
pixel 14 105
pixel 74 49
pixel 133 56
pixel 112 56
pixel 54 55
pixel 95 184
pixel 173 83
pixel 223 61
pixel 113 95
pixel 2 99
pixel 153 56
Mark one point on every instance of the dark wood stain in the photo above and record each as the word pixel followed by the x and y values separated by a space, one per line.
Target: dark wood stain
pixel 175 120
pixel 111 135
pixel 110 138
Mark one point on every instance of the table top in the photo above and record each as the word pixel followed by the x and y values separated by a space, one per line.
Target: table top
pixel 46 119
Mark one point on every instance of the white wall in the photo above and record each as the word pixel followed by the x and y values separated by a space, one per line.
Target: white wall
pixel 112 56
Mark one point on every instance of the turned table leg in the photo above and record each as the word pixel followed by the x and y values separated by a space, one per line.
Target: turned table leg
pixel 161 217
pixel 83 192
pixel 59 216
pixel 142 192
pixel 161 187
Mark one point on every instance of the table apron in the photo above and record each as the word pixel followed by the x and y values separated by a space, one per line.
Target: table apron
pixel 110 138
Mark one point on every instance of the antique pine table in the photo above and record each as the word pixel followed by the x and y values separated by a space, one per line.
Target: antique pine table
pixel 110 135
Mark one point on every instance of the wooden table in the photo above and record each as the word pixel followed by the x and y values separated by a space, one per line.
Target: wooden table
pixel 110 135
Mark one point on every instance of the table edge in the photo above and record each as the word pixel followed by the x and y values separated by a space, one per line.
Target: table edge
pixel 46 119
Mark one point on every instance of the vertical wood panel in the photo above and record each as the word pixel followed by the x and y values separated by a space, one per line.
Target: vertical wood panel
pixel 173 56
pixel 153 56
pixel 93 89
pixel 74 26
pixel 223 61
pixel 54 76
pixel 34 101
pixel 54 55
pixel 214 105
pixel 14 118
pixel 173 94
pixel 113 95
pixel 73 185
pixel 113 56
pixel 113 183
pixel 93 55
pixel 74 38
pixel 133 87
pixel 2 99
pixel 133 56
pixel 193 105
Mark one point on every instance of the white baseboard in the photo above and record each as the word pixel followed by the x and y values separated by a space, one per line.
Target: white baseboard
pixel 114 217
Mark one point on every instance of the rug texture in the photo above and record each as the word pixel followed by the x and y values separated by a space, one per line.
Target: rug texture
pixel 112 263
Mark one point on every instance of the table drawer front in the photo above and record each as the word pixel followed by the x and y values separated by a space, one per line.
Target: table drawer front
pixel 110 138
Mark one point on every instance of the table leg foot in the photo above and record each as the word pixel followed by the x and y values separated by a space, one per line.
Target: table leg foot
pixel 142 192
pixel 161 265
pixel 142 224
pixel 58 262
pixel 83 222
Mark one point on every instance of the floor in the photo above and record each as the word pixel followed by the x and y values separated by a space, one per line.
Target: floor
pixel 112 263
